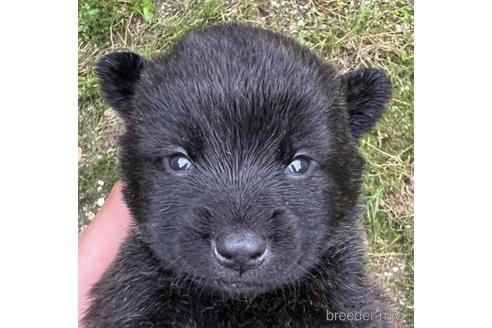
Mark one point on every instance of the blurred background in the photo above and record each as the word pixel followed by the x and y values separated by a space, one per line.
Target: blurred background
pixel 349 34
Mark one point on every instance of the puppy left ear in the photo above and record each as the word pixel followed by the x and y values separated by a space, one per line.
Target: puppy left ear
pixel 119 73
pixel 366 90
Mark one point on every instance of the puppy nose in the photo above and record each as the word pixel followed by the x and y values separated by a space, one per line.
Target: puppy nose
pixel 240 251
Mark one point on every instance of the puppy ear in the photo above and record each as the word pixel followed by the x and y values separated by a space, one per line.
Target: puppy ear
pixel 119 72
pixel 367 90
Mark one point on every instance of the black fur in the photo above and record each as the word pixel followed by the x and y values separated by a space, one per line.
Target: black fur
pixel 241 102
pixel 367 90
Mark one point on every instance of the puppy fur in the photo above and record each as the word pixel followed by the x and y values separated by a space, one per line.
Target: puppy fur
pixel 241 103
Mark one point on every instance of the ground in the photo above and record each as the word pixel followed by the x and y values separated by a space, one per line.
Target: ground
pixel 349 34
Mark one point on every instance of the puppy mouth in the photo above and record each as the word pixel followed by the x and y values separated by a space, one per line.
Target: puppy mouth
pixel 235 282
pixel 238 287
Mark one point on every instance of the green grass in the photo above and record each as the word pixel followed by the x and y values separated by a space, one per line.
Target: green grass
pixel 373 33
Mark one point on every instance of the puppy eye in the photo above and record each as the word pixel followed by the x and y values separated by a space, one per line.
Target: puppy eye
pixel 179 163
pixel 299 165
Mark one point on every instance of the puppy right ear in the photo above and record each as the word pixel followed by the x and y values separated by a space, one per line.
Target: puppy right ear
pixel 119 72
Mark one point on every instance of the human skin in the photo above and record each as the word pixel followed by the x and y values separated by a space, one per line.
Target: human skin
pixel 99 243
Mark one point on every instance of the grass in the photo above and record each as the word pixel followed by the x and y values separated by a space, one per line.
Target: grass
pixel 369 33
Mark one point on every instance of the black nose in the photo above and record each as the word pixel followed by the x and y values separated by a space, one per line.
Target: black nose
pixel 240 251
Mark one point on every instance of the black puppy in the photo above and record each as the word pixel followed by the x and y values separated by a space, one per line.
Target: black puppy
pixel 243 175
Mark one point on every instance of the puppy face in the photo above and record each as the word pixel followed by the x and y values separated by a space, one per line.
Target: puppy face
pixel 240 153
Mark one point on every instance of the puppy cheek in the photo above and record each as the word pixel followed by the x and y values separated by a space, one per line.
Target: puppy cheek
pixel 193 252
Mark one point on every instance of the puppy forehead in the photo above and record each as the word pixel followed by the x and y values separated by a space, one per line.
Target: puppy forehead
pixel 236 87
pixel 247 118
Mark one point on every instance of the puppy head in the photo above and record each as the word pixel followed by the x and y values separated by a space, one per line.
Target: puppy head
pixel 240 153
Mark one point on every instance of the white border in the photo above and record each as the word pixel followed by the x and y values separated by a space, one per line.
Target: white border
pixel 453 130
pixel 38 172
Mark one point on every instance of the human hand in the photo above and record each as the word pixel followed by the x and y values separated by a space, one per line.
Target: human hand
pixel 100 242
